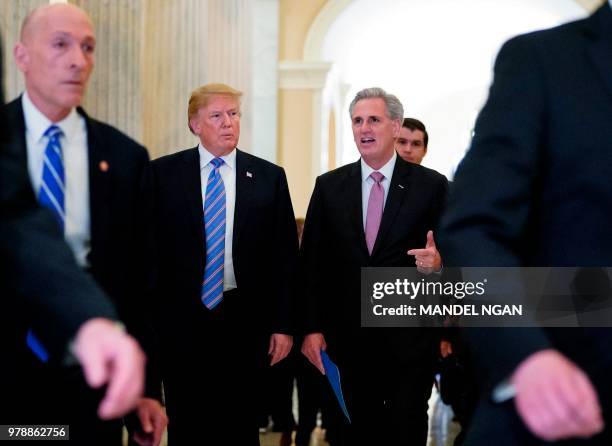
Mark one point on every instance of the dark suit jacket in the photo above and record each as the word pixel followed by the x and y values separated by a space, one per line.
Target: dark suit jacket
pixel 534 189
pixel 334 250
pixel 120 200
pixel 264 244
pixel 41 286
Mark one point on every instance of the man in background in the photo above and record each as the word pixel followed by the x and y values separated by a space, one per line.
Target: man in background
pixel 412 141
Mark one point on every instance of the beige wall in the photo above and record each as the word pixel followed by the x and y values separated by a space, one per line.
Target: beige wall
pixel 296 16
pixel 295 106
pixel 295 142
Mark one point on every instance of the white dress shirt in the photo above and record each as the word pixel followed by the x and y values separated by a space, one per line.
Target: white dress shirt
pixel 77 228
pixel 367 182
pixel 228 175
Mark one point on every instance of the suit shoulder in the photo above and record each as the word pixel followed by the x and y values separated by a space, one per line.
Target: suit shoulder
pixel 558 37
pixel 431 174
pixel 13 106
pixel 260 162
pixel 338 174
pixel 171 158
pixel 116 137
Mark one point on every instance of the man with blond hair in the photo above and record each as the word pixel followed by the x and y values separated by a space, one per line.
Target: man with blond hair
pixel 227 249
pixel 93 178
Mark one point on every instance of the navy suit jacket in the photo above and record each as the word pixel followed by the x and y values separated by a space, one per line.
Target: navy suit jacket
pixel 334 250
pixel 120 200
pixel 534 189
pixel 264 245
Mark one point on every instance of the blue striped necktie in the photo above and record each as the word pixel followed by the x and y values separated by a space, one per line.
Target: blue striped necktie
pixel 214 232
pixel 50 195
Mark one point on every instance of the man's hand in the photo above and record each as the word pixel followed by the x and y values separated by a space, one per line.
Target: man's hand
pixel 280 346
pixel 555 399
pixel 110 356
pixel 427 260
pixel 153 421
pixel 311 348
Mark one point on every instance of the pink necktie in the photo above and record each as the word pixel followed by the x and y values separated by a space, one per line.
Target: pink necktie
pixel 375 210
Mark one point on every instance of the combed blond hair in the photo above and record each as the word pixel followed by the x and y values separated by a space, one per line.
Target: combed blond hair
pixel 201 96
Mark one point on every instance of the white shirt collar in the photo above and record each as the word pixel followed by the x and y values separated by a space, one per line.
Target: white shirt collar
pixel 37 123
pixel 386 170
pixel 206 157
pixel 610 3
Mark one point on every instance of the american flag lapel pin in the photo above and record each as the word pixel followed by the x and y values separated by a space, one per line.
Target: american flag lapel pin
pixel 249 174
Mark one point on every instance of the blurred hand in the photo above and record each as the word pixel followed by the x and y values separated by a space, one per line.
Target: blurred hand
pixel 428 259
pixel 555 398
pixel 280 346
pixel 110 356
pixel 311 348
pixel 153 421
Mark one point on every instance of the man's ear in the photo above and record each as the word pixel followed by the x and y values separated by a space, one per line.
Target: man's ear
pixel 22 59
pixel 194 126
pixel 397 125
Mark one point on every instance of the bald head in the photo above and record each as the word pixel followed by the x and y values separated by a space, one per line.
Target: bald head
pixel 40 17
pixel 55 55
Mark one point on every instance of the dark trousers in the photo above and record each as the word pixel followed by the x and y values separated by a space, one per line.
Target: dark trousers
pixel 211 377
pixel 386 397
pixel 313 395
pixel 59 395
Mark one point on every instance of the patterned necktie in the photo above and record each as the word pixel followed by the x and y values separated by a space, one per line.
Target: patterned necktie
pixel 375 210
pixel 51 193
pixel 214 230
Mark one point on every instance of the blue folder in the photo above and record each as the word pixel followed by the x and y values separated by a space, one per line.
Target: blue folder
pixel 333 376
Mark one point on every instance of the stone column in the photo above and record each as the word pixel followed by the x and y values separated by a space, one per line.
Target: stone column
pixel 115 89
pixel 301 126
pixel 174 62
pixel 12 14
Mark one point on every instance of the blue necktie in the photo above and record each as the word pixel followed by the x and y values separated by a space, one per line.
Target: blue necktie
pixel 50 195
pixel 214 230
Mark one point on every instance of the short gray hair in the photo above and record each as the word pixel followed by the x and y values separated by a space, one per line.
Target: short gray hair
pixel 395 109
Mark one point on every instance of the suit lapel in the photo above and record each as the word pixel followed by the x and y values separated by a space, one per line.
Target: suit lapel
pixel 397 190
pixel 192 190
pixel 246 181
pixel 352 194
pixel 600 49
pixel 100 172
